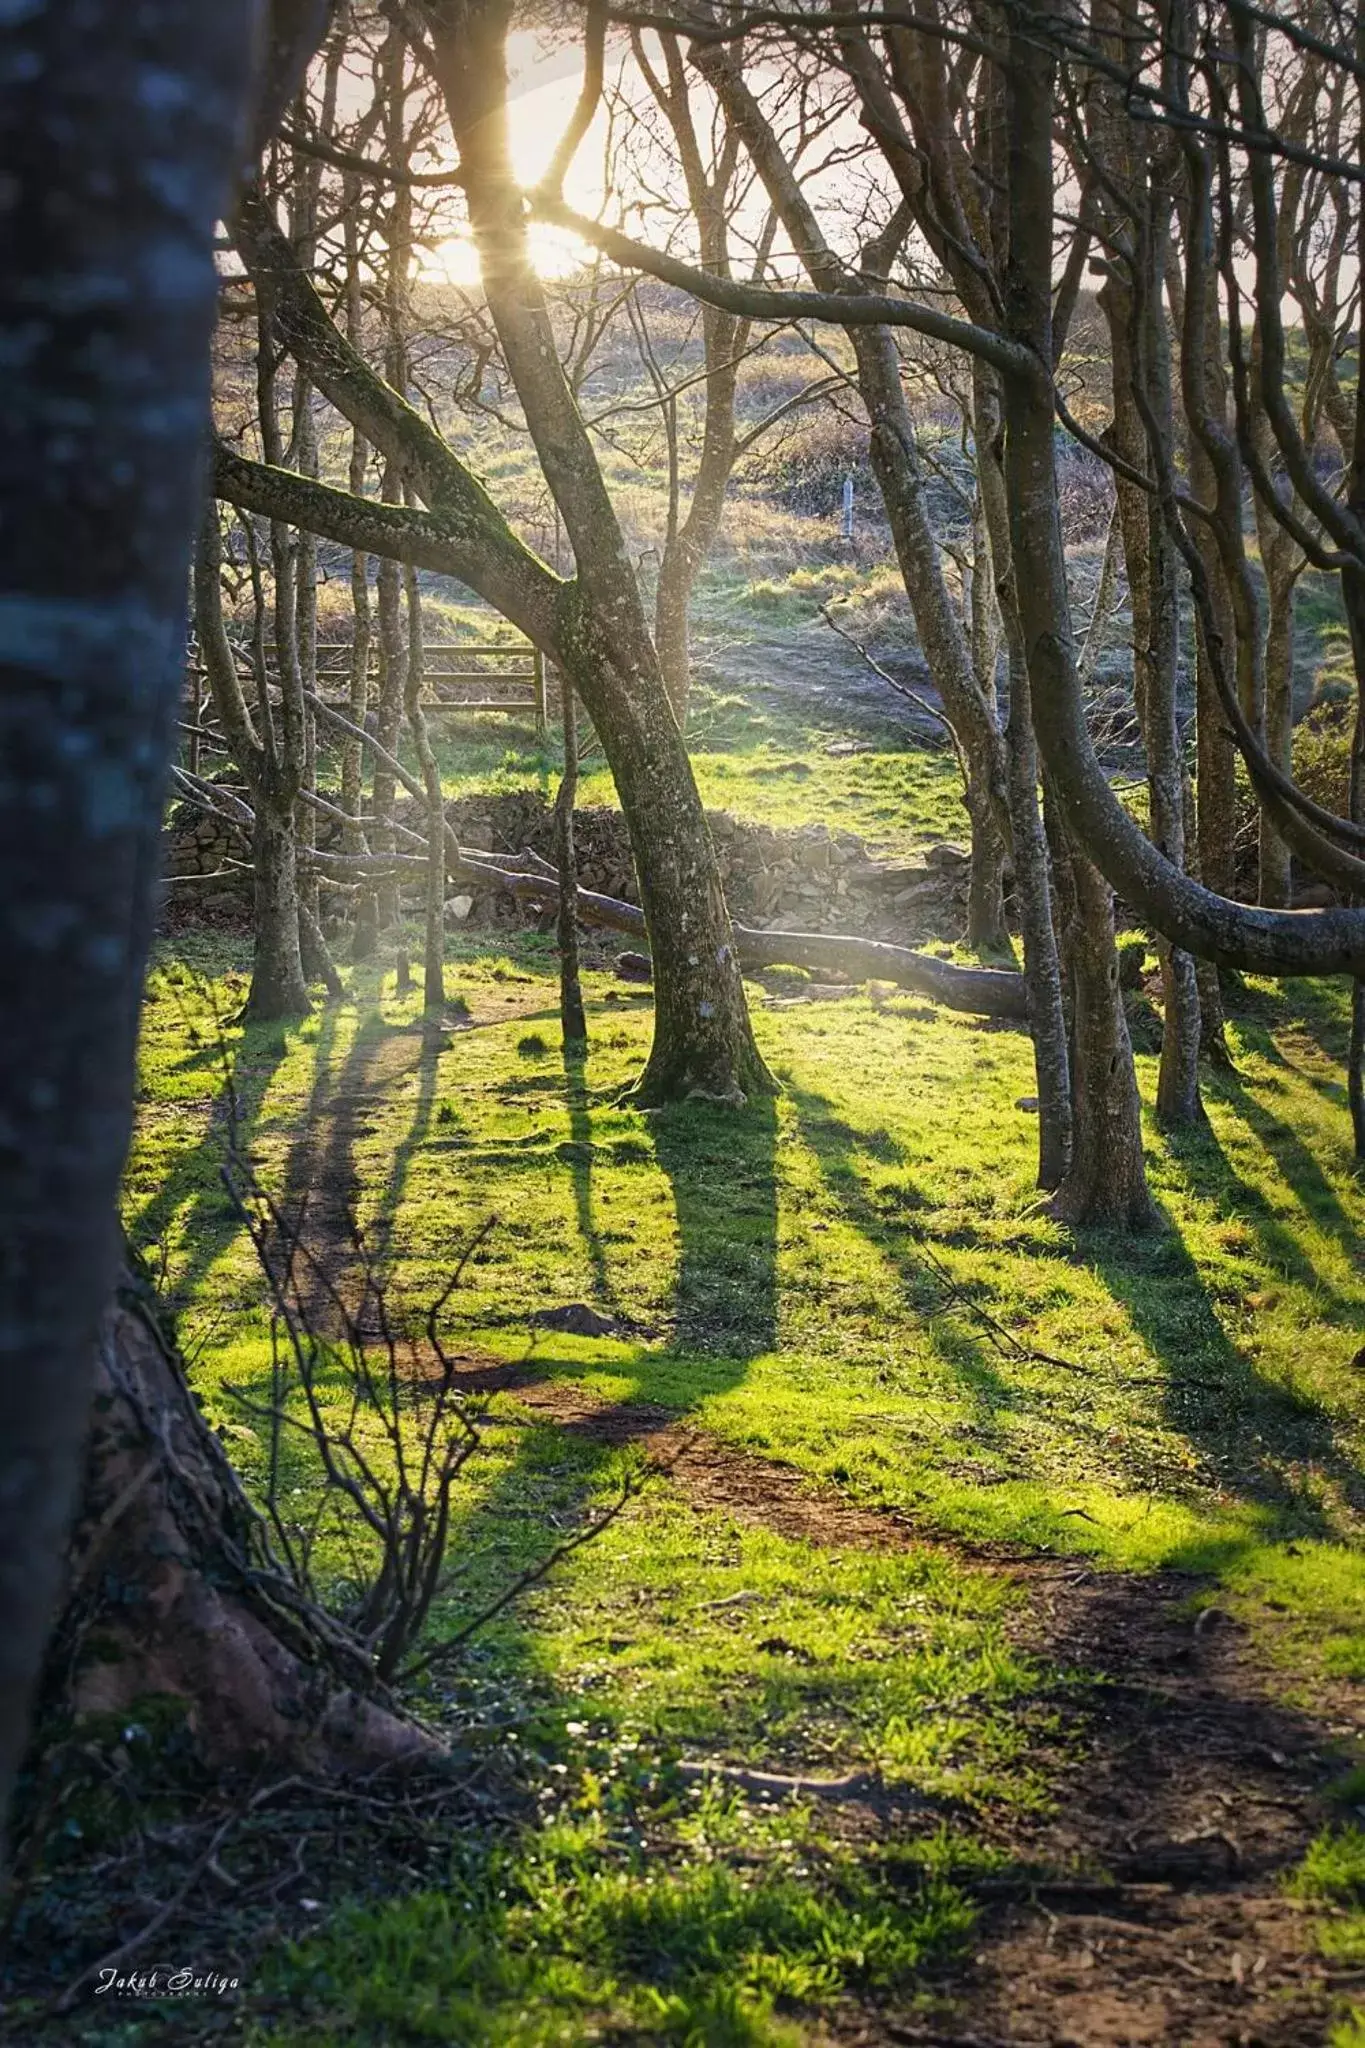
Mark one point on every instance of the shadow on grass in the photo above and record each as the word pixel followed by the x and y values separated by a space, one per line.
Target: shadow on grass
pixel 579 1155
pixel 1303 1175
pixel 1259 1437
pixel 322 1189
pixel 191 1195
pixel 722 1168
pixel 722 1171
pixel 845 1155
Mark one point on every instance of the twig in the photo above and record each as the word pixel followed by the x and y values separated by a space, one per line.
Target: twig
pixel 429 1659
pixel 901 689
pixel 159 1919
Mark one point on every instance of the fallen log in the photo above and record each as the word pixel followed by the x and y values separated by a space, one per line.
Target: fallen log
pixel 979 991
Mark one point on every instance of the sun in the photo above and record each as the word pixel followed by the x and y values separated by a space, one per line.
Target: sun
pixel 554 253
pixel 544 87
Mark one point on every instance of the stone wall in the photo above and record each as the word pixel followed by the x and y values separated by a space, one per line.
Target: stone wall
pixel 806 878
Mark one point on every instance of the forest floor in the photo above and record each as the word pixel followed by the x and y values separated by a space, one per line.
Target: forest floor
pixel 1033 1558
pixel 973 1650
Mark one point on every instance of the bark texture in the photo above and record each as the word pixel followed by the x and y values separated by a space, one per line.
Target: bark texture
pixel 1106 1181
pixel 118 139
pixel 171 1593
pixel 703 1042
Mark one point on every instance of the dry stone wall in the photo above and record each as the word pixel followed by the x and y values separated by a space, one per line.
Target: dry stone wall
pixel 808 878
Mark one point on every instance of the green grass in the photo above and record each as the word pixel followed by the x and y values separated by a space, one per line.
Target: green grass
pixel 1210 1411
pixel 769 1272
pixel 1333 1873
pixel 763 765
pixel 546 1948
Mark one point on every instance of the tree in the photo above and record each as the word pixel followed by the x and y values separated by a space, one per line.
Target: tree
pixel 106 308
pixel 592 626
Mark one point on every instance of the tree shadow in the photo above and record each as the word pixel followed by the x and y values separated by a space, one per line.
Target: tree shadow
pixel 321 1192
pixel 191 1193
pixel 722 1168
pixel 1256 1435
pixel 578 1153
pixel 1302 1173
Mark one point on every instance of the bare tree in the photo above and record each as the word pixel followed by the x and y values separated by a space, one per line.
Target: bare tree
pixel 593 627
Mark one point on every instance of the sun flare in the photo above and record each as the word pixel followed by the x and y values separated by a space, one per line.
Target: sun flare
pixel 543 93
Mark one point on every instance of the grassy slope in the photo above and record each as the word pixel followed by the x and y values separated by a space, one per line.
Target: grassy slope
pixel 768 765
pixel 1207 1415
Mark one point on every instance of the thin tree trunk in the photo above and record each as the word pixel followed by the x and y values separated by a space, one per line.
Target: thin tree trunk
pixel 1106 1183
pixel 1275 861
pixel 279 766
pixel 306 636
pixel 677 573
pixel 433 950
pixel 364 934
pixel 393 665
pixel 572 1018
pixel 1102 609
pixel 1032 886
pixel 987 931
pixel 1042 964
pixel 1106 1180
pixel 278 988
pixel 1141 364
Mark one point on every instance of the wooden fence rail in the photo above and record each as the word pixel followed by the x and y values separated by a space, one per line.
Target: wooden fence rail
pixel 517 683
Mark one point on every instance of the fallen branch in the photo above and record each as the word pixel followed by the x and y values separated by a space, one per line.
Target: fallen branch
pixel 980 991
pixel 853 1786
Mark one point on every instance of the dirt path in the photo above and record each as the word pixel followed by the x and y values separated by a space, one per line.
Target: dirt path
pixel 1185 1791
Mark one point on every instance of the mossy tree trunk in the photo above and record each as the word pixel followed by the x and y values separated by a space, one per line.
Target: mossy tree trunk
pixel 1106 1181
pixel 1139 352
pixel 703 1039
pixel 278 989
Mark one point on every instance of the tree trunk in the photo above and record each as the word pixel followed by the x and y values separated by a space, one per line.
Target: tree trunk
pixel 106 245
pixel 278 984
pixel 1042 966
pixel 306 639
pixel 171 1592
pixel 1141 363
pixel 433 948
pixel 573 1021
pixel 703 1040
pixel 1106 1184
pixel 671 637
pixel 1106 1181
pixel 988 933
pixel 393 666
pixel 1032 883
pixel 1275 863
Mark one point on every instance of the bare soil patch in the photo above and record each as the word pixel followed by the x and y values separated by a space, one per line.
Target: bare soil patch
pixel 1149 1909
